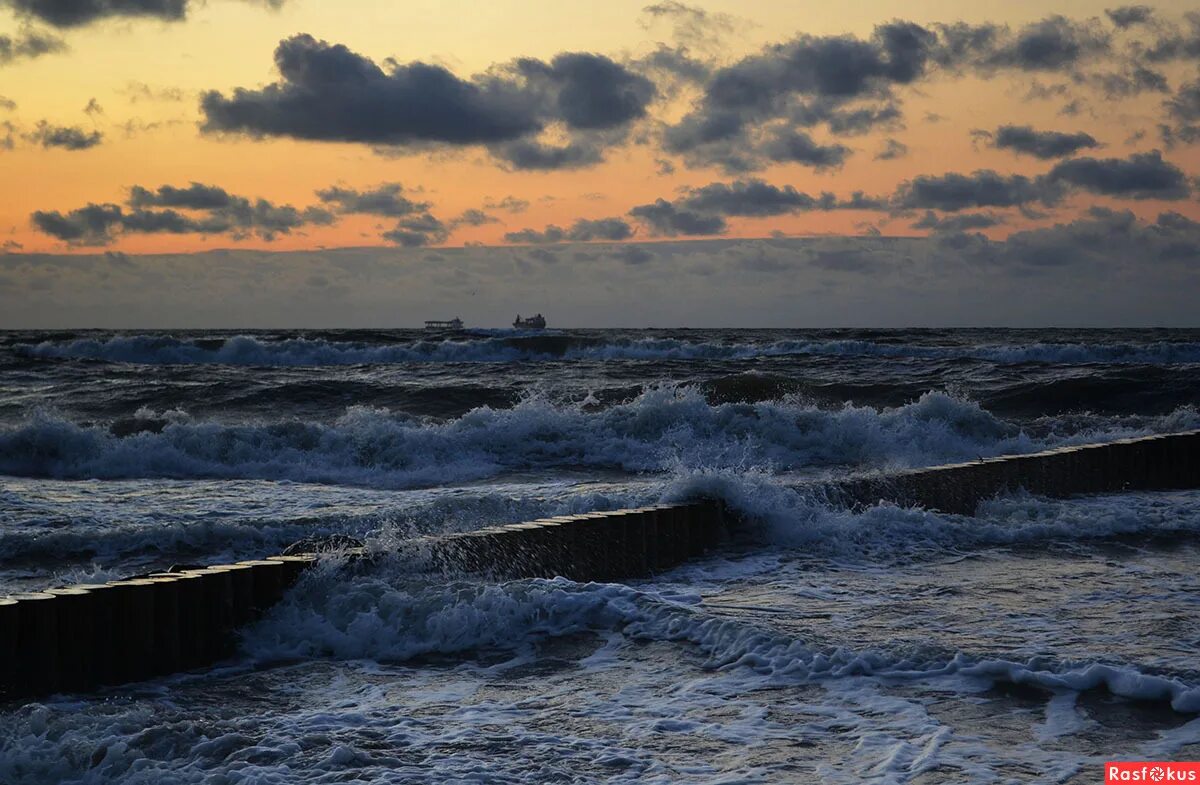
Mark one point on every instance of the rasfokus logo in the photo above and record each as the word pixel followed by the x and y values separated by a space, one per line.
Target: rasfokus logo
pixel 1152 771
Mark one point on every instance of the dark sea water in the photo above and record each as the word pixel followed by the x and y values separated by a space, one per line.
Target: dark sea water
pixel 1027 644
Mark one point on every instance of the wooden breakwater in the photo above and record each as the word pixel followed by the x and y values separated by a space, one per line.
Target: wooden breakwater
pixel 80 637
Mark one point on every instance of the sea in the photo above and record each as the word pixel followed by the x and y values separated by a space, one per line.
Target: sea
pixel 1031 642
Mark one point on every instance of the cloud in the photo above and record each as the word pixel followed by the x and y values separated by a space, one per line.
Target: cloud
pixel 195 196
pixel 587 230
pixel 418 230
pixel 583 230
pixel 328 93
pixel 589 91
pixel 788 146
pixel 386 199
pixel 65 137
pixel 633 254
pixel 665 219
pixel 209 210
pixel 749 110
pixel 1183 109
pixel 756 198
pixel 140 91
pixel 891 150
pixel 1176 43
pixel 952 192
pixel 957 223
pixel 1141 176
pixel 671 67
pixel 75 13
pixel 806 81
pixel 702 211
pixel 1040 144
pixel 7 104
pixel 28 44
pixel 1052 44
pixel 78 13
pixel 691 25
pixel 509 204
pixel 473 217
pixel 1106 238
pixel 1127 16
pixel 91 225
pixel 532 155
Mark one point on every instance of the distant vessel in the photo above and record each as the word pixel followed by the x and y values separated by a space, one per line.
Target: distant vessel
pixel 532 323
pixel 452 324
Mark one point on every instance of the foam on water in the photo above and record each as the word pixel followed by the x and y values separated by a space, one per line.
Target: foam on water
pixel 373 618
pixel 662 429
pixel 379 673
pixel 509 347
pixel 779 514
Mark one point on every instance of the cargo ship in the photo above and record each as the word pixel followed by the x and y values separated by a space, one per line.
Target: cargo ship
pixel 532 323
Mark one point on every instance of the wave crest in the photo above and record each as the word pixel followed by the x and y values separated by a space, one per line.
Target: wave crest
pixel 258 351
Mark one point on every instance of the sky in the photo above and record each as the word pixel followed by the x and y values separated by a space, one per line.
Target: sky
pixel 293 163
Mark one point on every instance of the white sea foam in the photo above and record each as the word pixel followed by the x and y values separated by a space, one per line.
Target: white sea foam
pixel 663 429
pixel 249 350
pixel 394 678
pixel 369 617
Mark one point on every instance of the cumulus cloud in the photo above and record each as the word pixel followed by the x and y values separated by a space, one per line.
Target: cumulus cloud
pixel 756 198
pixel 418 230
pixel 1183 112
pixel 195 196
pixel 473 217
pixel 891 150
pixel 28 44
pixel 386 199
pixel 1026 140
pixel 749 110
pixel 953 191
pixel 1127 16
pixel 1141 176
pixel 1051 44
pixel 666 220
pixel 65 137
pixel 326 92
pixel 208 210
pixel 702 211
pixel 583 230
pixel 78 13
pixel 533 155
pixel 957 223
pixel 789 146
pixel 1175 42
pixel 806 81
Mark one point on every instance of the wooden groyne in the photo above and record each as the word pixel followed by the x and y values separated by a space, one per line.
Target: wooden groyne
pixel 77 638
pixel 1148 463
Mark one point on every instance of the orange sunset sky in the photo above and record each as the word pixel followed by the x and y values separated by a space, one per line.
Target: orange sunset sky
pixel 131 86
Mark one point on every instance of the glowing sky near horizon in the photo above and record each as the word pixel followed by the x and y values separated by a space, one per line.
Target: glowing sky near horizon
pixel 181 126
pixel 146 76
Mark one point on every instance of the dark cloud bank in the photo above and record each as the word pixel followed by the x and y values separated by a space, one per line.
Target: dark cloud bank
pixel 326 92
pixel 1105 268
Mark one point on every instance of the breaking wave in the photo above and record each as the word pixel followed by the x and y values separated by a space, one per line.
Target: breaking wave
pixel 249 350
pixel 373 618
pixel 663 429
